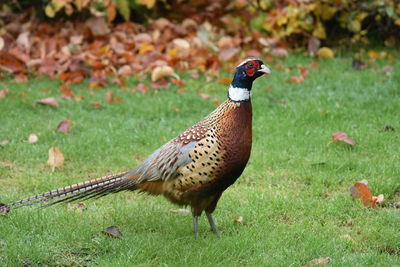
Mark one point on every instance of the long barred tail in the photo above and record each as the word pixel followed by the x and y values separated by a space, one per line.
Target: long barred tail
pixel 93 188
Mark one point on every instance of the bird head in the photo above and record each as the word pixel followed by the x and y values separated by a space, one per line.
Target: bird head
pixel 246 72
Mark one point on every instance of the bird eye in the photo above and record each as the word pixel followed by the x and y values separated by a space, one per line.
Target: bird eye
pixel 251 65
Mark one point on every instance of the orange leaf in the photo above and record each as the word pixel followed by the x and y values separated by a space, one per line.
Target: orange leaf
pixel 360 190
pixel 50 101
pixel 66 92
pixel 56 158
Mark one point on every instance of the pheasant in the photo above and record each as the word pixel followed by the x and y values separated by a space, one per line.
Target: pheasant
pixel 194 168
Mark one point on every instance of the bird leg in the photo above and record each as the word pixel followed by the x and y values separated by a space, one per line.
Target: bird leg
pixel 212 223
pixel 196 226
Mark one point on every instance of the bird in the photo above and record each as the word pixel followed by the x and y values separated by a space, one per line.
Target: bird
pixel 194 168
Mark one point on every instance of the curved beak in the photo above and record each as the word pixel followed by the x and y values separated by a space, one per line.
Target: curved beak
pixel 264 69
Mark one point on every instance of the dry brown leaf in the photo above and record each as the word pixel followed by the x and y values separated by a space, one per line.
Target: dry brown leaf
pixel 33 138
pixel 341 136
pixel 228 54
pixel 66 92
pixel 56 158
pixel 181 211
pixel 161 72
pixel 4 92
pixel 50 101
pixel 97 26
pixel 4 142
pixel 317 262
pixel 239 220
pixel 325 53
pixel 279 52
pixel 112 231
pixel 109 96
pixel 64 125
pixel 79 98
pixel 96 104
pixel 10 63
pixel 181 44
pixel 125 70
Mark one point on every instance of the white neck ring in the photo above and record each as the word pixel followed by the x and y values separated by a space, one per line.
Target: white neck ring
pixel 238 94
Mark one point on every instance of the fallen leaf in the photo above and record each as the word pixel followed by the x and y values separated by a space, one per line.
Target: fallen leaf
pixel 160 84
pixel 4 209
pixel 279 52
pixel 204 96
pixel 4 142
pixel 340 136
pixel 50 101
pixel 360 190
pixel 227 54
pixel 33 138
pixel 4 92
pixel 161 72
pixel 317 262
pixel 10 63
pixel 109 96
pixel 325 53
pixel 181 211
pixel 56 158
pixel 141 87
pixel 78 98
pixel 66 92
pixel 239 220
pixel 379 199
pixel 97 26
pixel 64 125
pixel 96 104
pixel 125 70
pixel 112 231
pixel 181 44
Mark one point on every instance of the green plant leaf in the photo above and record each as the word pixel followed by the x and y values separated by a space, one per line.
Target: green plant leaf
pixel 123 9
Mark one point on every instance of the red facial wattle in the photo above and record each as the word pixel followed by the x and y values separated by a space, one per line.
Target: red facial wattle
pixel 251 67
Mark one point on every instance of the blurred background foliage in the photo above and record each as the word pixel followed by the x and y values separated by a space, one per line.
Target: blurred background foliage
pixel 291 21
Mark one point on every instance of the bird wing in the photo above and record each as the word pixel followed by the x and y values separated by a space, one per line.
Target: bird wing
pixel 164 163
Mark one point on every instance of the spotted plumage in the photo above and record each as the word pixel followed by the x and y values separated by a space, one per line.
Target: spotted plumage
pixel 194 168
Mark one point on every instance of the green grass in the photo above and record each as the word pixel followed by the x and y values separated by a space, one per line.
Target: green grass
pixel 294 194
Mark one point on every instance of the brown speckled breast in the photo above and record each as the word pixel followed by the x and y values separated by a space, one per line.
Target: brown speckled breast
pixel 218 159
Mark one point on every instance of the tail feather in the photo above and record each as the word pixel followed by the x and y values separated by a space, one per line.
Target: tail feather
pixel 93 188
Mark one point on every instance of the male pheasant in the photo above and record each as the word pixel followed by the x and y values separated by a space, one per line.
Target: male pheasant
pixel 194 168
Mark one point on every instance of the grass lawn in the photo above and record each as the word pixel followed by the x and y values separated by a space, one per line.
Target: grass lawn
pixel 293 196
